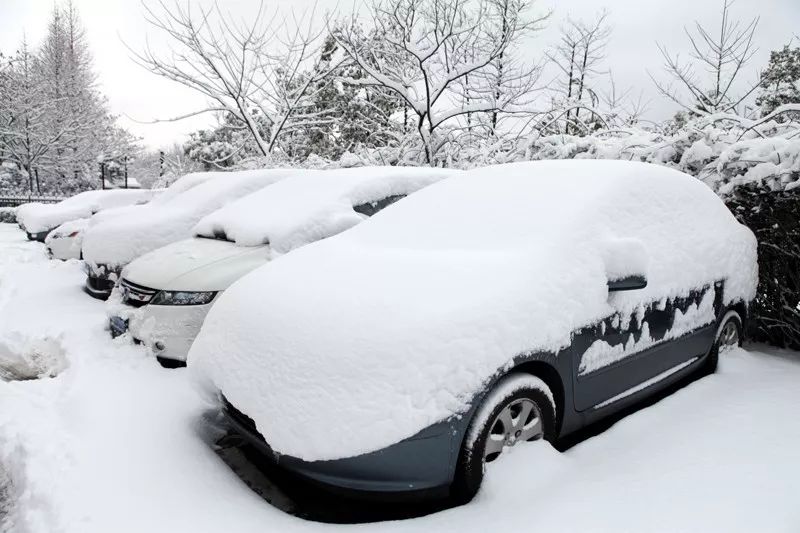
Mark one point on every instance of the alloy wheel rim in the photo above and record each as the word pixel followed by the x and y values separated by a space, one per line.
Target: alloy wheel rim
pixel 729 337
pixel 519 421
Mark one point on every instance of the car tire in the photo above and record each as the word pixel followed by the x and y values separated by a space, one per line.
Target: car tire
pixel 729 333
pixel 514 393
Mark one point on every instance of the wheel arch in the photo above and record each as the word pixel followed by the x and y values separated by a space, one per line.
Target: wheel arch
pixel 741 308
pixel 552 378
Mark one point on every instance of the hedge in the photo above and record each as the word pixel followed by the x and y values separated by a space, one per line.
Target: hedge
pixel 8 215
pixel 774 217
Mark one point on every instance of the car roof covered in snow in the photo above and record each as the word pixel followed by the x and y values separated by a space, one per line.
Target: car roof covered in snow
pixel 127 235
pixel 38 217
pixel 356 342
pixel 165 196
pixel 314 205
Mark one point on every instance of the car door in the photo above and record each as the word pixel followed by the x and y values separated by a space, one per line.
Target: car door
pixel 629 351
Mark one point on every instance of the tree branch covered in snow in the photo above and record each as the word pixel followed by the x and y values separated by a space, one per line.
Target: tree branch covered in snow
pixel 264 73
pixel 722 53
pixel 578 56
pixel 446 60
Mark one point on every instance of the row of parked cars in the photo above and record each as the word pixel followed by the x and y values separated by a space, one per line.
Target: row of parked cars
pixel 394 329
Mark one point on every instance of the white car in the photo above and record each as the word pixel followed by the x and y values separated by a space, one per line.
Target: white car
pixel 65 241
pixel 164 296
pixel 115 241
pixel 37 220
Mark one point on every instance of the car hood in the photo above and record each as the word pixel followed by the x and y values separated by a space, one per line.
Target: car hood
pixel 196 265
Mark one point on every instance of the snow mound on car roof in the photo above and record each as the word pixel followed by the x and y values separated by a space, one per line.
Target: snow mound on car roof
pixel 312 206
pixel 181 185
pixel 125 236
pixel 353 343
pixel 37 217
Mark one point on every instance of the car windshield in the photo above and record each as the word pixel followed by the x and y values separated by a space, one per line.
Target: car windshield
pixel 370 208
pixel 218 235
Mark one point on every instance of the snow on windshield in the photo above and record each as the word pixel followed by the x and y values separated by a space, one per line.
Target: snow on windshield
pixel 312 206
pixel 37 217
pixel 356 342
pixel 127 235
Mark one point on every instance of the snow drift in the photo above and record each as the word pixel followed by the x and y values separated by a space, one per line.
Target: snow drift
pixel 119 239
pixel 356 342
pixel 37 217
pixel 313 206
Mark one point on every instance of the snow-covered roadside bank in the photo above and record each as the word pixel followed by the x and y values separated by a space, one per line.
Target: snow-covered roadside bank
pixel 111 444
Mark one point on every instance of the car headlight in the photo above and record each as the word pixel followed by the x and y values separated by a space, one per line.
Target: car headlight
pixel 182 298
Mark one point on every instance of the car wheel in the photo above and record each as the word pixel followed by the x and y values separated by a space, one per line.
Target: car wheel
pixel 520 408
pixel 729 336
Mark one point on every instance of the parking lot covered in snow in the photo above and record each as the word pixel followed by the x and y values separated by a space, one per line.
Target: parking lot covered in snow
pixel 96 437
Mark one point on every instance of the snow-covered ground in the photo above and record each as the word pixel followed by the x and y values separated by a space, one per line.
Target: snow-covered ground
pixel 114 442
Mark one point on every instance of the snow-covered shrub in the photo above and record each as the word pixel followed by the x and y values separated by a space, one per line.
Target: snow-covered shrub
pixel 774 217
pixel 12 179
pixel 8 215
pixel 772 163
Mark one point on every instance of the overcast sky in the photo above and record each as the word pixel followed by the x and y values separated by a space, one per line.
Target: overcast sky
pixel 136 94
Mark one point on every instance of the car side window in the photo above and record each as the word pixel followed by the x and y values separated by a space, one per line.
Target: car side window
pixel 660 316
pixel 370 208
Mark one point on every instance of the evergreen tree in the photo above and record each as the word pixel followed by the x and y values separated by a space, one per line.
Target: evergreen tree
pixel 54 123
pixel 25 110
pixel 356 116
pixel 780 82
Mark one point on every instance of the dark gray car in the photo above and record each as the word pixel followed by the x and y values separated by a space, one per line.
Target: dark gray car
pixel 516 303
pixel 436 463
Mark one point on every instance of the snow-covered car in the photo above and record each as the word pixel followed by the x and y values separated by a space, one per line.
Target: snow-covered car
pixel 515 303
pixel 65 241
pixel 165 295
pixel 116 241
pixel 37 219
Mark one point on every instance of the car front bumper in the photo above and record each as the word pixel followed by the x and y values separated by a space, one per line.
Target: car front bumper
pixel 419 467
pixel 168 330
pixel 100 280
pixel 40 237
pixel 64 248
pixel 97 287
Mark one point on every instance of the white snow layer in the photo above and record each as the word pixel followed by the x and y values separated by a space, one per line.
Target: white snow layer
pixel 111 445
pixel 312 206
pixel 601 354
pixel 125 236
pixel 351 344
pixel 180 186
pixel 38 217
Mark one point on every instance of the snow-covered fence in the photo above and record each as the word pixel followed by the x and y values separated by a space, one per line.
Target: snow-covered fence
pixel 12 200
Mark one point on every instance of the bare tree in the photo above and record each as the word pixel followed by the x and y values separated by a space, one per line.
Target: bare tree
pixel 721 55
pixel 263 72
pixel 446 59
pixel 579 55
pixel 619 106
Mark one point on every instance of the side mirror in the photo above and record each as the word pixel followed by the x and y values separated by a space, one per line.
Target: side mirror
pixel 626 263
pixel 628 283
